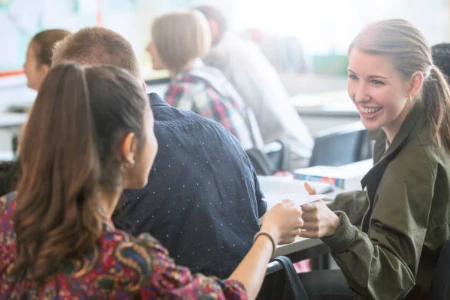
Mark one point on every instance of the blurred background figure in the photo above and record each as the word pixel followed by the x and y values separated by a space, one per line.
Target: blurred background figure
pixel 39 55
pixel 36 67
pixel 178 42
pixel 441 58
pixel 257 81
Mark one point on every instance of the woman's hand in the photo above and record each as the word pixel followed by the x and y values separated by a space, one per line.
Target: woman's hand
pixel 283 222
pixel 319 220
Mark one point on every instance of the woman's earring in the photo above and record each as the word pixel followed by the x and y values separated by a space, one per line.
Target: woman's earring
pixel 129 164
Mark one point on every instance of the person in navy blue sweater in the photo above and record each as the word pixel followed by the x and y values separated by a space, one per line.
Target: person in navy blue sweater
pixel 202 200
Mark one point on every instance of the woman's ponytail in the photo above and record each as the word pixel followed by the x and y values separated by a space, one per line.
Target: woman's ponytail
pixel 436 99
pixel 55 213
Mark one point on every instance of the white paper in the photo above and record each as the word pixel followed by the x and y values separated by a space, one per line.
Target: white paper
pixel 276 189
pixel 299 199
pixel 279 185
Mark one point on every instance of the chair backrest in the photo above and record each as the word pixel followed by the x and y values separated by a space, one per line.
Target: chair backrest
pixel 440 287
pixel 273 157
pixel 260 161
pixel 279 155
pixel 341 145
pixel 282 281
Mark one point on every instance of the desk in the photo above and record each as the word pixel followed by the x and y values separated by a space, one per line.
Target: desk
pixel 301 248
pixel 11 120
pixel 9 125
pixel 304 248
pixel 336 103
pixel 320 111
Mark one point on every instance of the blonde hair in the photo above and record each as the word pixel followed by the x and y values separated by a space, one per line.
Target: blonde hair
pixel 180 38
pixel 407 49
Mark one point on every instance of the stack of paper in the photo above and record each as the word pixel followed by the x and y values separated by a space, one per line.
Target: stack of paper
pixel 276 189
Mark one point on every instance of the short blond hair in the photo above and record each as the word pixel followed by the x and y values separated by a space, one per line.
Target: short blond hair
pixel 180 38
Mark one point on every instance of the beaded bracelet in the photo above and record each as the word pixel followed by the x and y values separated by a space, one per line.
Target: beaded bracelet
pixel 274 245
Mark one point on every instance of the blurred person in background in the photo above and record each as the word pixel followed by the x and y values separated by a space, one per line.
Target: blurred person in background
pixel 39 55
pixel 178 41
pixel 441 58
pixel 257 81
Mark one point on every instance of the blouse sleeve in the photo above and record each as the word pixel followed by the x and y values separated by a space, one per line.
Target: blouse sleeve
pixel 167 280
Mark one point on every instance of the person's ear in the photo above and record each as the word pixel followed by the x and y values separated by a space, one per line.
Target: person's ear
pixel 215 31
pixel 128 149
pixel 144 86
pixel 44 69
pixel 415 84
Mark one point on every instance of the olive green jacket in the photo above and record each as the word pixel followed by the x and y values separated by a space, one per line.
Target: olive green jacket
pixel 401 218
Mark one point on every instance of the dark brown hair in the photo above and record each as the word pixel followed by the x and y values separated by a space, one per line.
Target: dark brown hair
pixel 215 14
pixel 97 45
pixel 407 49
pixel 69 153
pixel 44 42
pixel 441 58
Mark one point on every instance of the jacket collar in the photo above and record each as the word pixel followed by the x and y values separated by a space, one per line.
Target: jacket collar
pixel 155 100
pixel 412 120
pixel 383 157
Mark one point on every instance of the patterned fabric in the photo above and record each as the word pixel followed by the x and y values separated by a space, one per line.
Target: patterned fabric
pixel 205 91
pixel 202 184
pixel 121 267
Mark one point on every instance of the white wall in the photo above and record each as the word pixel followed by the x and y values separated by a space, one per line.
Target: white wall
pixel 330 25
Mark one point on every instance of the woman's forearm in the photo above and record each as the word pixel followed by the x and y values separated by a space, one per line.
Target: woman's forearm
pixel 252 269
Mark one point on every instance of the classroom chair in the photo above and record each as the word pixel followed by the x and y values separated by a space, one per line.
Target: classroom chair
pixel 440 287
pixel 273 157
pixel 341 145
pixel 279 155
pixel 282 282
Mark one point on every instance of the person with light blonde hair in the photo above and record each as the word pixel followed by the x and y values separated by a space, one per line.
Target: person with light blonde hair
pixel 178 42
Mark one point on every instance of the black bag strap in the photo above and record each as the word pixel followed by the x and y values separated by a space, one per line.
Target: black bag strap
pixel 298 291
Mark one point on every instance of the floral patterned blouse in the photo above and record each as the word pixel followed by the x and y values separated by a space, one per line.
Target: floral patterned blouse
pixel 121 267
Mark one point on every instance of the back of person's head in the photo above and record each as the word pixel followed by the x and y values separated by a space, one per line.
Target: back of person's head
pixel 406 48
pixel 441 58
pixel 44 42
pixel 39 55
pixel 72 155
pixel 217 21
pixel 180 38
pixel 97 45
